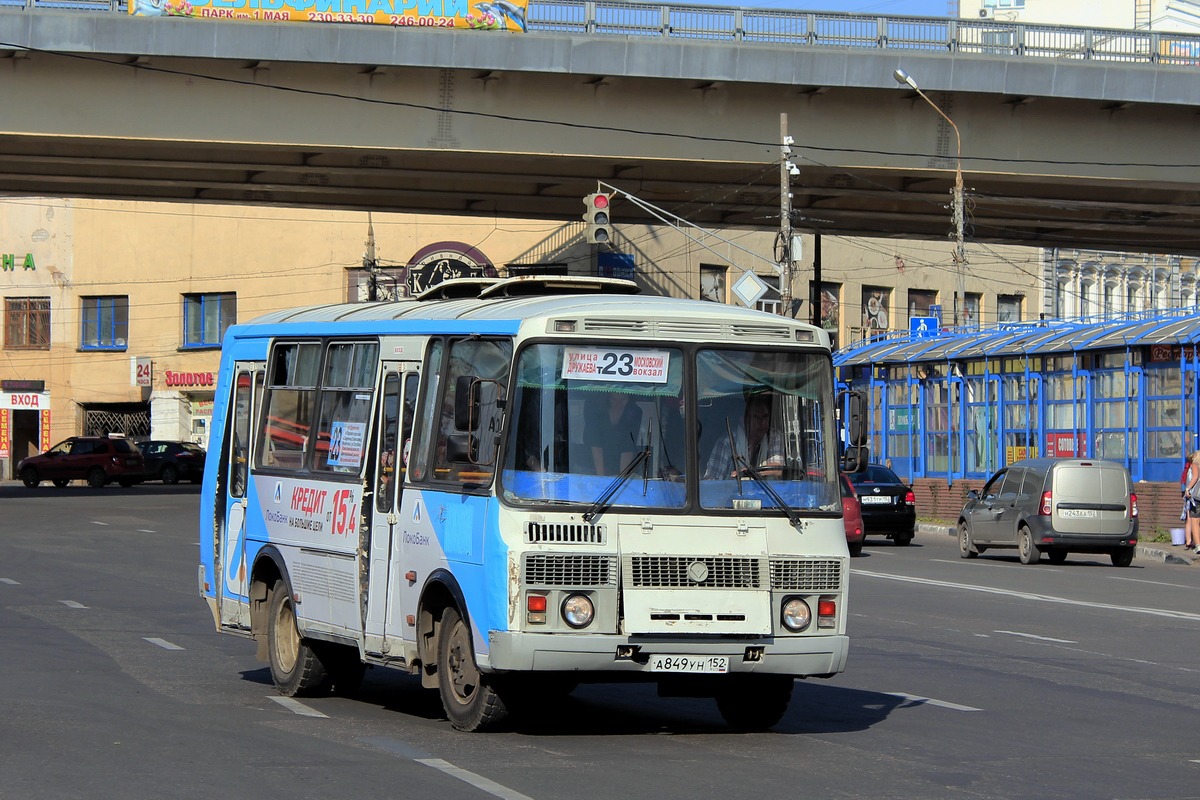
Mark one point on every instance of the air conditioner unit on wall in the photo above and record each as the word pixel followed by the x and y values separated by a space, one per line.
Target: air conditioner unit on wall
pixel 983 12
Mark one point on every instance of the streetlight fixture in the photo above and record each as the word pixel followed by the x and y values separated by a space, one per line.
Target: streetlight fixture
pixel 904 79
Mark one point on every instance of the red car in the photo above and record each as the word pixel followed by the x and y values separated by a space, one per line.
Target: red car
pixel 852 514
pixel 99 460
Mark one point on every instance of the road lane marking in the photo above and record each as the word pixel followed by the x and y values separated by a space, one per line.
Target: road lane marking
pixel 1039 638
pixel 1156 583
pixel 163 643
pixel 407 751
pixel 1042 598
pixel 9 581
pixel 478 781
pixel 917 700
pixel 145 530
pixel 296 707
pixel 72 604
pixel 989 562
pixel 98 522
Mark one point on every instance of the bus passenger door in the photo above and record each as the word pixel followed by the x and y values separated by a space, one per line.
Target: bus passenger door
pixel 393 431
pixel 232 594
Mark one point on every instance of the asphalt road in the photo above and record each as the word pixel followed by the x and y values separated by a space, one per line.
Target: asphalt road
pixel 967 679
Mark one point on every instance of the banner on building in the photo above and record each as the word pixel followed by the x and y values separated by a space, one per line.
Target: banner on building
pixel 5 451
pixel 45 432
pixel 485 15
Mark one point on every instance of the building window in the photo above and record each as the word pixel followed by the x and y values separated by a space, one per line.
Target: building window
pixel 105 323
pixel 971 303
pixel 389 284
pixel 919 302
pixel 1008 308
pixel 875 302
pixel 770 302
pixel 712 283
pixel 27 323
pixel 206 316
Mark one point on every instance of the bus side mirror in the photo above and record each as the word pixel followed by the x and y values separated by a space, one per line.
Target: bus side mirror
pixel 854 459
pixel 856 428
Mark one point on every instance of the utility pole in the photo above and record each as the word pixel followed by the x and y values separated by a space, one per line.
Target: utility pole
pixel 369 263
pixel 785 217
pixel 956 194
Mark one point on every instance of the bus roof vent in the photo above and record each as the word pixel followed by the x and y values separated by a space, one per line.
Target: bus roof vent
pixel 762 331
pixel 603 325
pixel 524 285
pixel 457 288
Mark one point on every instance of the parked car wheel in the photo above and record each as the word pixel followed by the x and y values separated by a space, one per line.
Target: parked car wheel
pixel 1056 555
pixel 903 539
pixel 29 477
pixel 96 478
pixel 1027 549
pixel 855 549
pixel 169 475
pixel 1122 556
pixel 966 548
pixel 61 482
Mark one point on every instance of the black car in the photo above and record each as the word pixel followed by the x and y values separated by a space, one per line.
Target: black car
pixel 889 507
pixel 171 462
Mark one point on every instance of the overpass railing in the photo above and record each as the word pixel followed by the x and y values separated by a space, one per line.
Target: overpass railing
pixel 817 30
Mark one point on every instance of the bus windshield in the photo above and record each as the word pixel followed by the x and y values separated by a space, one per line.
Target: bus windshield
pixel 713 424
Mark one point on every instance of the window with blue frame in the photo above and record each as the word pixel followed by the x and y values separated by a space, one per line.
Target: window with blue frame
pixel 206 316
pixel 105 323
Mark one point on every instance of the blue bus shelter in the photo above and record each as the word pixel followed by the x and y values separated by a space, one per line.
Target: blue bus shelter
pixel 964 402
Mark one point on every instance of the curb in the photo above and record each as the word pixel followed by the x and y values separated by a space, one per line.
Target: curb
pixel 1152 552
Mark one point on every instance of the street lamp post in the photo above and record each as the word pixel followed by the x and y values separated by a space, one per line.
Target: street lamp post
pixel 905 79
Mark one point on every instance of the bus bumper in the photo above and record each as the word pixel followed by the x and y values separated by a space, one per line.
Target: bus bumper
pixel 799 655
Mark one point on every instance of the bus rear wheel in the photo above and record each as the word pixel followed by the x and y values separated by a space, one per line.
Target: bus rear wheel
pixel 468 696
pixel 295 667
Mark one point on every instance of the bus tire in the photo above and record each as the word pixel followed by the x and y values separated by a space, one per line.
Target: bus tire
pixel 295 667
pixel 468 696
pixel 754 702
pixel 343 666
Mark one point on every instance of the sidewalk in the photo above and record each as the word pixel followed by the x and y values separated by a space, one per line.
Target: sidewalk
pixel 1153 551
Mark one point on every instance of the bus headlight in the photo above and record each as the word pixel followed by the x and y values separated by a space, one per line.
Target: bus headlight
pixel 578 611
pixel 796 614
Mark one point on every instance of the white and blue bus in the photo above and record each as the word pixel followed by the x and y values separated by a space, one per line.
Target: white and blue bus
pixel 507 487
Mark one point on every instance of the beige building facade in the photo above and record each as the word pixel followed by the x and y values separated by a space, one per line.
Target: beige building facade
pixel 114 310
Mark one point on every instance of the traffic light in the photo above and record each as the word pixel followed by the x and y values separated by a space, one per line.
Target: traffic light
pixel 599 231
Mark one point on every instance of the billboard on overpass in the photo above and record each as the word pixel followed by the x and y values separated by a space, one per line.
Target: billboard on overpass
pixel 484 15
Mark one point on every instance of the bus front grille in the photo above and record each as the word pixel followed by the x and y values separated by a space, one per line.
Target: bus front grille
pixel 554 569
pixel 806 575
pixel 693 572
pixel 564 533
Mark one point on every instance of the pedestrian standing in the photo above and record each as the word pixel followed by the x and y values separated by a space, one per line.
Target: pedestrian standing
pixel 1192 526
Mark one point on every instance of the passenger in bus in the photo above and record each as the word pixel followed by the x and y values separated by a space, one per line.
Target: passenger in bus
pixel 753 439
pixel 613 431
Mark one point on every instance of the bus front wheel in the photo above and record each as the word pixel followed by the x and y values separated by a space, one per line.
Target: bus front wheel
pixel 754 702
pixel 468 696
pixel 295 667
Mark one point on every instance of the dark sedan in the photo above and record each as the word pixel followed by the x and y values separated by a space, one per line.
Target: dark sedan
pixel 889 507
pixel 171 462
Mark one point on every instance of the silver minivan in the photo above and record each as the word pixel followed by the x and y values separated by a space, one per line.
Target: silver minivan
pixel 1056 506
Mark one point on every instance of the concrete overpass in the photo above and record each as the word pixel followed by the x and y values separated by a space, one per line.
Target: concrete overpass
pixel 1073 150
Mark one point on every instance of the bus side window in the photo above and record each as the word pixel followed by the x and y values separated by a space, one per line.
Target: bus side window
pixel 486 362
pixel 385 494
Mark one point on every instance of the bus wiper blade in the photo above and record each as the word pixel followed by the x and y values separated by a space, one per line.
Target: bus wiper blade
pixel 740 461
pixel 617 483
